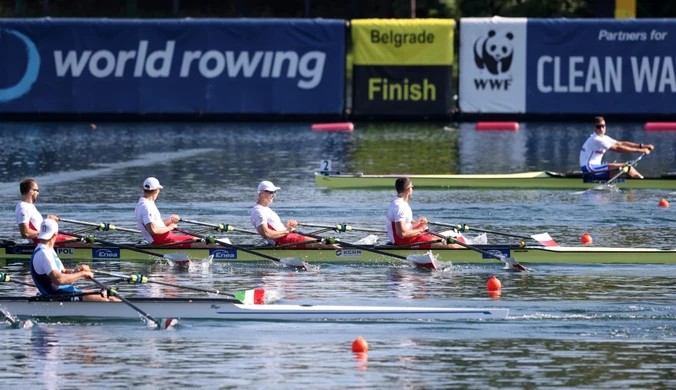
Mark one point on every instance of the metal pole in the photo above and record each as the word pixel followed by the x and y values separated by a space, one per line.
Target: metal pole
pixel 412 9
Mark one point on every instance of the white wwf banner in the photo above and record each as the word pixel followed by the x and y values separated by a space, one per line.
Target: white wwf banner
pixel 492 65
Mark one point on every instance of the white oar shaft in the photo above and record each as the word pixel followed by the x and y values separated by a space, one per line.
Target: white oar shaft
pixel 101 226
pixel 343 228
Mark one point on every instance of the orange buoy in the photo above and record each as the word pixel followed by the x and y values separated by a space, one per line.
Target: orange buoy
pixel 586 239
pixel 660 126
pixel 341 126
pixel 663 203
pixel 497 126
pixel 493 284
pixel 360 345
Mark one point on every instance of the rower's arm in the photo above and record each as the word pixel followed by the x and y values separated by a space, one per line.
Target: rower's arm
pixel 155 229
pixel 60 278
pixel 27 232
pixel 270 234
pixel 631 147
pixel 402 232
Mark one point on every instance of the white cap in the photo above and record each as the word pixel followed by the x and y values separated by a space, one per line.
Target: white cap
pixel 151 184
pixel 48 228
pixel 267 186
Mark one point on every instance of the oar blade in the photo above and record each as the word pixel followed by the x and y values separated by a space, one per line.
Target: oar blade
pixel 166 323
pixel 16 323
pixel 428 260
pixel 512 263
pixel 544 239
pixel 294 262
pixel 177 259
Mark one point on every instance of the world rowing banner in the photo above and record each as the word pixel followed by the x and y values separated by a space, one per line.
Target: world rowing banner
pixel 403 67
pixel 552 66
pixel 196 66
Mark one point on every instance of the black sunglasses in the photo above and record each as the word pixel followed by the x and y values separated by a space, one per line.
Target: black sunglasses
pixel 600 126
pixel 271 192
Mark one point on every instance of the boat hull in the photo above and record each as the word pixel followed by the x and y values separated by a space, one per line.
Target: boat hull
pixel 526 180
pixel 226 309
pixel 528 254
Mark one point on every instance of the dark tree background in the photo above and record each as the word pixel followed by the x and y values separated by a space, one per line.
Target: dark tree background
pixel 345 9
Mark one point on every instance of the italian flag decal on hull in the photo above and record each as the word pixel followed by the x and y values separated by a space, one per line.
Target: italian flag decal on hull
pixel 251 297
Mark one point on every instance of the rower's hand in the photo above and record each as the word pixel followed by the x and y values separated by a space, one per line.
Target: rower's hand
pixel 646 150
pixel 292 223
pixel 172 226
pixel 423 221
pixel 174 218
pixel 54 217
pixel 88 275
pixel 649 146
pixel 83 267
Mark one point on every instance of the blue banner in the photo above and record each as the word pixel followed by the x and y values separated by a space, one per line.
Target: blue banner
pixel 600 66
pixel 205 66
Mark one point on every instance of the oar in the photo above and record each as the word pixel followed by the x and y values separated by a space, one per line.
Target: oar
pixel 343 228
pixel 294 262
pixel 14 322
pixel 164 324
pixel 508 260
pixel 625 169
pixel 423 261
pixel 101 226
pixel 5 278
pixel 171 257
pixel 247 297
pixel 220 227
pixel 542 238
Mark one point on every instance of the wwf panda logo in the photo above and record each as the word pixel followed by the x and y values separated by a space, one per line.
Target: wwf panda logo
pixel 494 52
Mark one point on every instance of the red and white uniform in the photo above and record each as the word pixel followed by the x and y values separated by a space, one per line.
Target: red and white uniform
pixel 264 215
pixel 146 212
pixel 593 150
pixel 28 213
pixel 401 211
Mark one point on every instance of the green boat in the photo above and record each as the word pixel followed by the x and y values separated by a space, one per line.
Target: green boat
pixel 524 180
pixel 529 254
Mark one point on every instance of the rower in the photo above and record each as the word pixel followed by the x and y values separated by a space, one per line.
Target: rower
pixel 49 274
pixel 157 231
pixel 27 216
pixel 401 228
pixel 598 144
pixel 270 226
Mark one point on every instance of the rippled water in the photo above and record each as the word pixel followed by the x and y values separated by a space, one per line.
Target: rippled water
pixel 596 326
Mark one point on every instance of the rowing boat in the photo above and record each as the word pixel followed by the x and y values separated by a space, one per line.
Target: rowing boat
pixel 531 254
pixel 229 309
pixel 525 180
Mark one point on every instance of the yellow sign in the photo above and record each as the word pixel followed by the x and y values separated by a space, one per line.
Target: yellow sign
pixel 403 41
pixel 625 9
